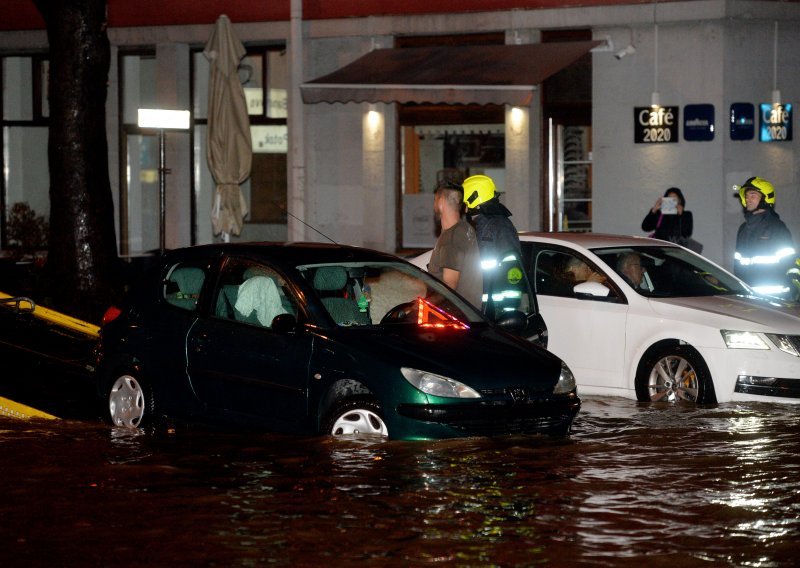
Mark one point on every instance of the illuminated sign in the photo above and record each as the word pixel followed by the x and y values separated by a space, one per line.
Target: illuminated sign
pixel 655 124
pixel 698 123
pixel 775 122
pixel 742 121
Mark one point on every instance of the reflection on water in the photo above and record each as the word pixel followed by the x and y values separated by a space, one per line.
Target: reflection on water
pixel 635 485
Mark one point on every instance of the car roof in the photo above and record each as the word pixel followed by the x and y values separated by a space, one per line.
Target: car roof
pixel 591 240
pixel 294 253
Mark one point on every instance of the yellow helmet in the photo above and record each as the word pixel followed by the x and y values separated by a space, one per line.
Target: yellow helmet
pixel 478 189
pixel 761 185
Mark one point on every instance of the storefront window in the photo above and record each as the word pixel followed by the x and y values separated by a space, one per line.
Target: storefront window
pixel 23 154
pixel 139 212
pixel 433 154
pixel 265 191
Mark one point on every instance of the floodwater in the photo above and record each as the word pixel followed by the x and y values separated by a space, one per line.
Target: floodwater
pixel 634 485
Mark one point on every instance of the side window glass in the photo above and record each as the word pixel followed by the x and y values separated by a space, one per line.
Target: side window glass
pixel 253 294
pixel 549 274
pixel 182 286
pixel 557 272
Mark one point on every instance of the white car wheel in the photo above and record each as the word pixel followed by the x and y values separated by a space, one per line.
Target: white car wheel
pixel 674 374
pixel 355 417
pixel 128 402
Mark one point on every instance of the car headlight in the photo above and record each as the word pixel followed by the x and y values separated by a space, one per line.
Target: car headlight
pixel 784 343
pixel 437 385
pixel 566 381
pixel 743 340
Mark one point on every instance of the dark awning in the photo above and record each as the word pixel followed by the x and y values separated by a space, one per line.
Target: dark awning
pixel 472 74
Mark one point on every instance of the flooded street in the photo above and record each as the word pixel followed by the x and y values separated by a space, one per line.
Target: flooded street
pixel 635 485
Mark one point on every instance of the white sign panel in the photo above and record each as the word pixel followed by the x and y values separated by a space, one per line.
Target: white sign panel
pixel 270 138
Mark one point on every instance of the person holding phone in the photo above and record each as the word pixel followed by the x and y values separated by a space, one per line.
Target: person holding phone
pixel 668 219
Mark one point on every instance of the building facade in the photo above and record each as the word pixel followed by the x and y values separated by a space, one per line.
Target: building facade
pixel 583 150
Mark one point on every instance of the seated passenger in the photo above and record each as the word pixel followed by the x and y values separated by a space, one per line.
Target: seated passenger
pixel 578 271
pixel 629 266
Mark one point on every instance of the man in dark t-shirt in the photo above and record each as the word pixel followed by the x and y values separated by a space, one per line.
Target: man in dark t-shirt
pixel 456 259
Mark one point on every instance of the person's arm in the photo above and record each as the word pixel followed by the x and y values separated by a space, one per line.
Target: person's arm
pixel 450 277
pixel 650 221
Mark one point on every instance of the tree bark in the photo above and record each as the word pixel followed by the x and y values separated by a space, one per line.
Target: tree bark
pixel 82 259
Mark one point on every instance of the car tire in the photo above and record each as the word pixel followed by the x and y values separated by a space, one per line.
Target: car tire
pixel 675 373
pixel 356 416
pixel 130 402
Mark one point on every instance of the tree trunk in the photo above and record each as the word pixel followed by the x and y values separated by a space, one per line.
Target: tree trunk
pixel 82 258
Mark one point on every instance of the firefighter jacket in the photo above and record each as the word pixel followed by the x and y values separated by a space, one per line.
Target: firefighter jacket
pixel 764 251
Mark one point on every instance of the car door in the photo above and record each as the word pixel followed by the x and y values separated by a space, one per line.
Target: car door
pixel 236 361
pixel 585 331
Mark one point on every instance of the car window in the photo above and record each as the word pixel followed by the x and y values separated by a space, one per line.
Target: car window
pixel 253 294
pixel 556 272
pixel 182 285
pixel 670 272
pixel 384 293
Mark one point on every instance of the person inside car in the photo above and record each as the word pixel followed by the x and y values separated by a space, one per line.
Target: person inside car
pixel 577 271
pixel 629 266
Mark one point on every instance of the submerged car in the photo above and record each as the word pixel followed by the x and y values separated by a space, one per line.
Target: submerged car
pixel 688 331
pixel 321 339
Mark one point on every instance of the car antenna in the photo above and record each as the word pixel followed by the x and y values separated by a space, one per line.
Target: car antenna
pixel 312 228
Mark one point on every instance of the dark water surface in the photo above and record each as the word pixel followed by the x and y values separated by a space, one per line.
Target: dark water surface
pixel 635 485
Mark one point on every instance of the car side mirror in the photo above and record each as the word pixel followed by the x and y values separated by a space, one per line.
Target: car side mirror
pixel 284 323
pixel 514 321
pixel 591 290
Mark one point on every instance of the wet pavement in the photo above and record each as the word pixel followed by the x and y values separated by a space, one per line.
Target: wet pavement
pixel 635 485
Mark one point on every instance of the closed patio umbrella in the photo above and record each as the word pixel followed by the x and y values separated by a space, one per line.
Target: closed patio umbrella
pixel 230 150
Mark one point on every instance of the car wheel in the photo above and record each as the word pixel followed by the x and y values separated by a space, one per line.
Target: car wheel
pixel 131 403
pixel 356 416
pixel 673 374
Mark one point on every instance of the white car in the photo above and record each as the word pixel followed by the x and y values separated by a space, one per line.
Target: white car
pixel 690 331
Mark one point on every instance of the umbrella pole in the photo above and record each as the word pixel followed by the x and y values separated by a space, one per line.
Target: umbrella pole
pixel 162 193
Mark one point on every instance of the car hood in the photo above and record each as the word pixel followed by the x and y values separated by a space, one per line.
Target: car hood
pixel 732 311
pixel 482 356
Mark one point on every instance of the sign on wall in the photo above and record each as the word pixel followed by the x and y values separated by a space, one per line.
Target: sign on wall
pixel 743 120
pixel 775 122
pixel 698 123
pixel 655 124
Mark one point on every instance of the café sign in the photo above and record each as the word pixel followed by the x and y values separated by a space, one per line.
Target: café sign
pixel 775 122
pixel 655 124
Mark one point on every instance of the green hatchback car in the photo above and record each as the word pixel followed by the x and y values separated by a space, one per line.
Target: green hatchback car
pixel 322 339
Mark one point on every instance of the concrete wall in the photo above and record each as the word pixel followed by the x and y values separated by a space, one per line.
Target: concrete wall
pixel 718 62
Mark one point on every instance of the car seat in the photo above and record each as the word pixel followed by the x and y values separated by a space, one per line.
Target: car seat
pixel 189 281
pixel 330 283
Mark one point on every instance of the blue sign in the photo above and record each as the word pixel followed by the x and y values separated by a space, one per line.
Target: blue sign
pixel 743 121
pixel 698 123
pixel 775 122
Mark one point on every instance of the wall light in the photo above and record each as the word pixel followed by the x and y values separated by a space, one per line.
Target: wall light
pixel 630 50
pixel 373 121
pixel 517 120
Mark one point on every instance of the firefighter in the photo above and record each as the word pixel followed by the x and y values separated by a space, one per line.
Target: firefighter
pixel 504 281
pixel 765 256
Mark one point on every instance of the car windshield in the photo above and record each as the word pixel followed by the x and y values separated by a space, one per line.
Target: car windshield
pixel 386 293
pixel 670 272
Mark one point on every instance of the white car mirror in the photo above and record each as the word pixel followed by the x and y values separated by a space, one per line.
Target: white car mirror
pixel 591 289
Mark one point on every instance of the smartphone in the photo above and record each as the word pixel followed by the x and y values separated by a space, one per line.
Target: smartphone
pixel 669 206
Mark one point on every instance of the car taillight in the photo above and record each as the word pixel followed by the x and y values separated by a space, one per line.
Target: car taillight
pixel 111 314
